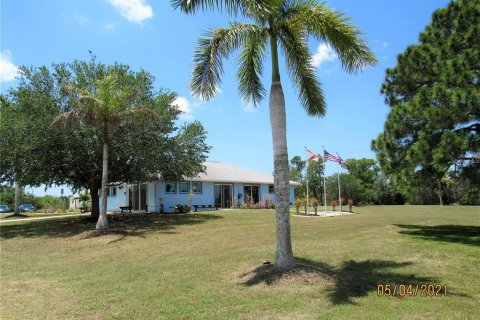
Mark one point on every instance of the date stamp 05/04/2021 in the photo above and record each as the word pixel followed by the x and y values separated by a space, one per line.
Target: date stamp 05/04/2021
pixel 412 290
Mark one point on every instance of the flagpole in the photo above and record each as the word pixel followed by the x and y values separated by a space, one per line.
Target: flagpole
pixel 324 181
pixel 339 192
pixel 306 179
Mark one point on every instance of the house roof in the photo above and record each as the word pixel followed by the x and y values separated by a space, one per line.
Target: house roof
pixel 222 172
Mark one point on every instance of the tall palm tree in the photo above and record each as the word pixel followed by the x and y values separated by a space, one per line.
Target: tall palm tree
pixel 113 100
pixel 286 25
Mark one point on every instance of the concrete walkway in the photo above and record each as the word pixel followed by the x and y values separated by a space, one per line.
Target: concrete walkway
pixel 5 220
pixel 323 214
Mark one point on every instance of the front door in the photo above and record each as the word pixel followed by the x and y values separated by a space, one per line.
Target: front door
pixel 223 195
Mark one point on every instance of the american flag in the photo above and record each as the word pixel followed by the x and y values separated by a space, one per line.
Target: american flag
pixel 330 157
pixel 311 156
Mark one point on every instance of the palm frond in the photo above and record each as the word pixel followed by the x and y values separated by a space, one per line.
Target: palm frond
pixel 66 118
pixel 208 64
pixel 89 100
pixel 332 27
pixel 231 7
pixel 299 64
pixel 251 66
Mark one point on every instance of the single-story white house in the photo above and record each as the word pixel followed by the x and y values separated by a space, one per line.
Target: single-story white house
pixel 221 186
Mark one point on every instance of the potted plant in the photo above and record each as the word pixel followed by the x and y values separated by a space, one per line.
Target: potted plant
pixel 314 203
pixel 297 203
pixel 333 204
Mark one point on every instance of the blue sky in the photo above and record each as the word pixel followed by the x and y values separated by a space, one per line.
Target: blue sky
pixel 149 34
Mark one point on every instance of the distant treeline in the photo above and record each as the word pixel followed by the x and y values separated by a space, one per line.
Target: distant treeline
pixel 362 181
pixel 7 197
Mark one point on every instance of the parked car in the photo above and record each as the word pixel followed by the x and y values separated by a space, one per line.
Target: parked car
pixel 26 208
pixel 4 208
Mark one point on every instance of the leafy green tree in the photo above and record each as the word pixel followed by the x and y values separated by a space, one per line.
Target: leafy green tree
pixel 115 98
pixel 434 94
pixel 385 191
pixel 141 147
pixel 276 24
pixel 315 172
pixel 24 136
pixel 297 167
pixel 366 171
pixel 350 187
pixel 7 197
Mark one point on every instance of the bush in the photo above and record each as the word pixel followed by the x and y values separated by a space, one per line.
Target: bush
pixel 297 203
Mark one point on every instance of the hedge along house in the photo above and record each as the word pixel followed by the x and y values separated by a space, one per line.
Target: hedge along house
pixel 221 186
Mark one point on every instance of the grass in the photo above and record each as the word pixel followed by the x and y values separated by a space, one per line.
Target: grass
pixel 209 266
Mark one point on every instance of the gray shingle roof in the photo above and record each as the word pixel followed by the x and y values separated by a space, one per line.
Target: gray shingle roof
pixel 222 172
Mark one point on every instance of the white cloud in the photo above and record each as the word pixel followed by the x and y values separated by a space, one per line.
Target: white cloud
pixel 80 19
pixel 324 53
pixel 133 10
pixel 108 26
pixel 184 105
pixel 8 71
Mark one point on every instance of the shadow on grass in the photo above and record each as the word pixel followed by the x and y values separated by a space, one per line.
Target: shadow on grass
pixel 353 279
pixel 120 225
pixel 469 235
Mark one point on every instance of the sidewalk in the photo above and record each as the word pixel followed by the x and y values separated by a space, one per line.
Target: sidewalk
pixel 44 218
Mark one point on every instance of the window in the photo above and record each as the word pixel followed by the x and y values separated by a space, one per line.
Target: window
pixel 251 193
pixel 271 189
pixel 196 187
pixel 170 187
pixel 184 187
pixel 111 191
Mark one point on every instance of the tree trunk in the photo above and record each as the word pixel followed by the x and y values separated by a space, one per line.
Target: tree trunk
pixel 284 257
pixel 102 223
pixel 439 192
pixel 18 189
pixel 95 213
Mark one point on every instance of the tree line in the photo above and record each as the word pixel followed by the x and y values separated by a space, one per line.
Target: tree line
pixel 47 202
pixel 363 181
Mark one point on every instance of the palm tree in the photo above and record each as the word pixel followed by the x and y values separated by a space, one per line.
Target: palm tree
pixel 286 25
pixel 113 100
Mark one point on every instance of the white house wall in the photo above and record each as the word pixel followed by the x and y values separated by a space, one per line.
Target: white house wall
pixel 152 200
pixel 169 200
pixel 120 200
pixel 156 196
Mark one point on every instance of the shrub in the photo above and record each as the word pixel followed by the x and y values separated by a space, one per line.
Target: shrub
pixel 333 204
pixel 297 203
pixel 314 203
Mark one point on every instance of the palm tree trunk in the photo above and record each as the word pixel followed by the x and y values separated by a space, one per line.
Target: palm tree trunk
pixel 102 223
pixel 18 189
pixel 284 258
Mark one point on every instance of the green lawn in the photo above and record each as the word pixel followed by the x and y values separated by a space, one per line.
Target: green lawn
pixel 209 265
